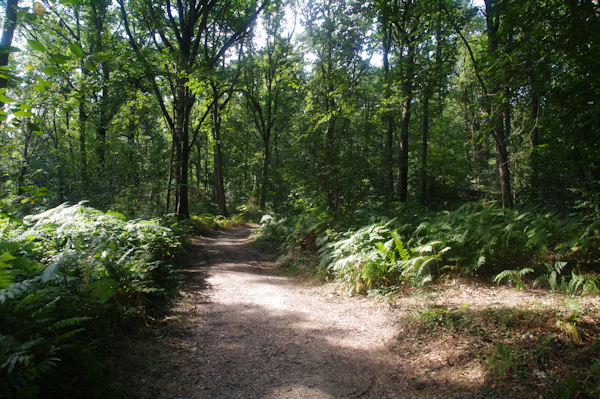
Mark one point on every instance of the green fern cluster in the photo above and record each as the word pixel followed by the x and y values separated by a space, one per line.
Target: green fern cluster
pixel 483 238
pixel 363 247
pixel 69 278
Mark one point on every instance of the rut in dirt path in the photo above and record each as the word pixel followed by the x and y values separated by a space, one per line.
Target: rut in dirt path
pixel 242 331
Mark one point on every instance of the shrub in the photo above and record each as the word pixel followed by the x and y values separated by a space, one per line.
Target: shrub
pixel 69 278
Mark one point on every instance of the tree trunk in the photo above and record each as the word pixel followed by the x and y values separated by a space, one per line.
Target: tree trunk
pixel 82 143
pixel 218 159
pixel 498 110
pixel 424 138
pixel 199 165
pixel 265 171
pixel 8 31
pixel 25 158
pixel 103 121
pixel 388 121
pixel 502 161
pixel 99 9
pixel 407 91
pixel 181 144
pixel 533 136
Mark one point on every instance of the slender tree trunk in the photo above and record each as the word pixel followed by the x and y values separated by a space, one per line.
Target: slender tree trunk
pixel 132 172
pixel 388 121
pixel 265 171
pixel 198 165
pixel 8 31
pixel 182 110
pixel 103 120
pixel 497 110
pixel 170 178
pixel 83 116
pixel 206 178
pixel 502 161
pixel 407 90
pixel 60 170
pixel 98 9
pixel 424 138
pixel 403 155
pixel 218 159
pixel 534 137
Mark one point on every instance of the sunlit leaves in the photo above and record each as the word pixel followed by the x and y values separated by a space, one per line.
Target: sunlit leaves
pixel 76 50
pixel 36 45
pixel 60 59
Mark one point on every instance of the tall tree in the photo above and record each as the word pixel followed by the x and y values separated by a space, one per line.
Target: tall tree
pixel 499 105
pixel 404 21
pixel 267 75
pixel 336 32
pixel 8 31
pixel 178 35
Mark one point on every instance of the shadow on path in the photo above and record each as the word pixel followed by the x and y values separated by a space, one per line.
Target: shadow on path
pixel 243 331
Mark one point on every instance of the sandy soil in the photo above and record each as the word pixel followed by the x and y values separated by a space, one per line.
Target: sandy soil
pixel 241 330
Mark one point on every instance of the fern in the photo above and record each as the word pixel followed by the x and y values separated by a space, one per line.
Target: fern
pixel 55 297
pixel 102 289
pixel 516 276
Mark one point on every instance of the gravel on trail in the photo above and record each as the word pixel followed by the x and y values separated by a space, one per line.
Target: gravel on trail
pixel 242 330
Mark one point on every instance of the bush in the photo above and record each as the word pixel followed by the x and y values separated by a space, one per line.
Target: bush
pixel 69 278
pixel 372 248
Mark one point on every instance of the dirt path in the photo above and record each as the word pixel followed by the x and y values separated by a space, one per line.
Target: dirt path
pixel 240 330
pixel 243 331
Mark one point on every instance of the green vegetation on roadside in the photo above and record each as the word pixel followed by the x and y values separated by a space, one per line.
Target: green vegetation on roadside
pixel 374 248
pixel 72 281
pixel 524 350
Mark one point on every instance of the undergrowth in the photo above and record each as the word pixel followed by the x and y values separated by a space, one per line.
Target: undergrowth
pixel 71 279
pixel 524 352
pixel 375 248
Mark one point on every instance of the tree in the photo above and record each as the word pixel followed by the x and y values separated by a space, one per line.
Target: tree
pixel 8 31
pixel 178 37
pixel 336 32
pixel 267 75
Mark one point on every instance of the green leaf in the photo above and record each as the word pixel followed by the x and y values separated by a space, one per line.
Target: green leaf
pixel 36 129
pixel 76 50
pixel 5 257
pixel 50 70
pixel 21 113
pixel 34 44
pixel 39 88
pixel 60 59
pixel 5 99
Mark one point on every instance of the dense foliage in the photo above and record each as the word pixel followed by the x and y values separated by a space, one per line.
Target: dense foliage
pixel 390 142
pixel 340 104
pixel 375 248
pixel 72 278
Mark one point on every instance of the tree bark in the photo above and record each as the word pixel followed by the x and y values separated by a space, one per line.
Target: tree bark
pixel 265 171
pixel 497 110
pixel 218 158
pixel 8 31
pixel 424 138
pixel 388 117
pixel 83 116
pixel 25 158
pixel 407 91
pixel 534 136
pixel 181 142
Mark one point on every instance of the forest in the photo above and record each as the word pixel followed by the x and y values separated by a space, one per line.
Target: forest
pixel 381 144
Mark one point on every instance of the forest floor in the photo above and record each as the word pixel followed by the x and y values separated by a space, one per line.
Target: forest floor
pixel 241 329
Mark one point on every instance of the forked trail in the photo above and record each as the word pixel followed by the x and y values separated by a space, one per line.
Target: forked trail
pixel 243 331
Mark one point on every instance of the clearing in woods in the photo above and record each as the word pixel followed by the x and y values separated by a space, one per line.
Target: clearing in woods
pixel 241 330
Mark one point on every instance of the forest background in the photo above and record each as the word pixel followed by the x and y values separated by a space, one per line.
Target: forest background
pixel 388 142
